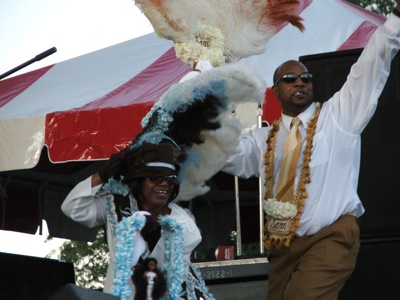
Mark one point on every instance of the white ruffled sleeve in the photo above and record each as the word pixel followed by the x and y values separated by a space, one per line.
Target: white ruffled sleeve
pixel 82 206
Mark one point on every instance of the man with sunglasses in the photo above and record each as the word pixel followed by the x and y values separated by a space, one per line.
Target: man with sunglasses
pixel 311 232
pixel 137 186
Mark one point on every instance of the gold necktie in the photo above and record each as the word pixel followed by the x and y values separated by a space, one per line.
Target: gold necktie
pixel 290 157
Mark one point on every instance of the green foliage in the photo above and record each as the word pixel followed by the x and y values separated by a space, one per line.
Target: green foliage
pixel 383 7
pixel 90 260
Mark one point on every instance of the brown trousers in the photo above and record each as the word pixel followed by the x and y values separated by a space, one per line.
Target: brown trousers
pixel 317 266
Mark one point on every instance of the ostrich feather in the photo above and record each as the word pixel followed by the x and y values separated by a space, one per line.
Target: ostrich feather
pixel 170 19
pixel 246 25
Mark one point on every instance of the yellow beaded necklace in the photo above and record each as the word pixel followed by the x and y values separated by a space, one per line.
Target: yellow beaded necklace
pixel 280 231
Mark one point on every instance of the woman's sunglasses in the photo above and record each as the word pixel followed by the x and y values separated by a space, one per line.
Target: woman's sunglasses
pixel 292 77
pixel 172 179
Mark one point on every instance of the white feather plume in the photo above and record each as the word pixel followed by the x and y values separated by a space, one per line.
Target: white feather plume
pixel 246 25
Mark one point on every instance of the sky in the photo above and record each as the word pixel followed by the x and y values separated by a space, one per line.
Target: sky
pixel 29 244
pixel 74 27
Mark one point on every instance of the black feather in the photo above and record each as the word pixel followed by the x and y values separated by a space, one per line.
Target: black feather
pixel 187 125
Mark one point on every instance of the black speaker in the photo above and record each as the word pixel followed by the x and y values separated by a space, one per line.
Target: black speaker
pixel 375 275
pixel 32 278
pixel 73 292
pixel 330 71
pixel 379 180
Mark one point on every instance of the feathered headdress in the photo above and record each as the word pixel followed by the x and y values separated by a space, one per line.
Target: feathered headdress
pixel 195 117
pixel 216 30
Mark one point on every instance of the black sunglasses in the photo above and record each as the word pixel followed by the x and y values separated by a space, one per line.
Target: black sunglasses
pixel 292 77
pixel 172 179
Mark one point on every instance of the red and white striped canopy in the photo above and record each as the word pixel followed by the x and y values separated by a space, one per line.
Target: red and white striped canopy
pixel 88 107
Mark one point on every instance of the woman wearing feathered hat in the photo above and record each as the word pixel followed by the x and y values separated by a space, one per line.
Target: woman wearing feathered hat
pixel 133 196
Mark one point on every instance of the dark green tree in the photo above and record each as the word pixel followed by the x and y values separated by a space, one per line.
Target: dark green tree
pixel 90 260
pixel 383 7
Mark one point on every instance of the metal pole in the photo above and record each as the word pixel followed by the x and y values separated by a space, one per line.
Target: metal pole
pixel 40 205
pixel 238 223
pixel 260 188
pixel 3 197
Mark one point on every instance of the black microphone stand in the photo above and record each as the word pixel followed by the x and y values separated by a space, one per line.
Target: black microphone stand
pixel 27 63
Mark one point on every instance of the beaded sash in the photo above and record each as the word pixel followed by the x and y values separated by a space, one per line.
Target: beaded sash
pixel 283 218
